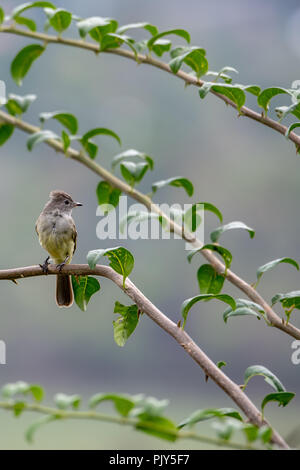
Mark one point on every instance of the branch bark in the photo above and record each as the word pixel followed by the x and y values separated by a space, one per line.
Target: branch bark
pixel 182 338
pixel 242 285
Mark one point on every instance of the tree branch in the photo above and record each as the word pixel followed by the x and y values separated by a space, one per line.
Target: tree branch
pixel 245 287
pixel 182 338
pixel 144 59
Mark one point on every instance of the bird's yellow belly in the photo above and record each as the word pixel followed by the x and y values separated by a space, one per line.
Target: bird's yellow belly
pixel 59 246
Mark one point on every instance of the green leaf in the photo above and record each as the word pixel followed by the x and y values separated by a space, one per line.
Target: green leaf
pixel 17 104
pixel 107 194
pixel 221 364
pixel 121 260
pixel 84 287
pixel 64 401
pixel 289 302
pixel 188 303
pixel 98 131
pixel 244 307
pixel 194 57
pixel 97 27
pixel 113 40
pixel 133 172
pixel 207 206
pixel 60 19
pixel 19 408
pixel 210 413
pixel 65 140
pixel 37 392
pixel 66 119
pixel 39 137
pixel 176 181
pixel 30 24
pixel 23 61
pixel 2 15
pixel 161 46
pixel 132 154
pixel 210 282
pixel 215 235
pixel 266 95
pixel 123 403
pixel 26 6
pixel 233 92
pixel 272 264
pixel 147 26
pixel 23 388
pixel 30 432
pixel 226 255
pixel 6 131
pixel 222 74
pixel 178 32
pixel 283 398
pixel 158 426
pixel 125 325
pixel 265 433
pixel 253 89
pixel 291 128
pixel 269 377
pixel 283 111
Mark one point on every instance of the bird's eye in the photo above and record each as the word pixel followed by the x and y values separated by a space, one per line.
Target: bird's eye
pixel 67 202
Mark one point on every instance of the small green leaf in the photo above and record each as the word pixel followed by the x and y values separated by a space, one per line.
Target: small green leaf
pixel 23 61
pixel 147 26
pixel 60 19
pixel 210 282
pixel 19 407
pixel 207 206
pixel 291 128
pixel 37 392
pixel 221 364
pixel 121 260
pixel 2 15
pixel 64 401
pixel 26 6
pixel 107 194
pixel 233 92
pixel 283 398
pixel 272 264
pixel 89 146
pixel 176 181
pixel 161 46
pixel 210 413
pixel 123 403
pixel 66 119
pixel 266 95
pixel 194 57
pixel 113 40
pixel 269 377
pixel 17 104
pixel 215 235
pixel 39 137
pixel 11 389
pixel 6 131
pixel 132 154
pixel 84 287
pixel 178 32
pixel 30 24
pixel 239 311
pixel 226 255
pixel 158 426
pixel 97 27
pixel 265 433
pixel 188 303
pixel 133 172
pixel 65 140
pixel 30 432
pixel 283 111
pixel 125 325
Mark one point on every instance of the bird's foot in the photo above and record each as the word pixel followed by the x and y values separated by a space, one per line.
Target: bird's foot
pixel 45 265
pixel 61 265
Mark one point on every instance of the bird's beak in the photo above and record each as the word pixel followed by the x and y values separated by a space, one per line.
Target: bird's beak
pixel 78 204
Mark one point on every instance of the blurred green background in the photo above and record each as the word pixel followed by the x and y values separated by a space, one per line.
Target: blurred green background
pixel 250 172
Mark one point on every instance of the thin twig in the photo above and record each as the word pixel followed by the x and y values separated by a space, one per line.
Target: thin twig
pixel 183 339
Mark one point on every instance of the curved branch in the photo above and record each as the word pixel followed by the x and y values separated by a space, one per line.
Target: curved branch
pixel 182 338
pixel 144 59
pixel 245 287
pixel 96 416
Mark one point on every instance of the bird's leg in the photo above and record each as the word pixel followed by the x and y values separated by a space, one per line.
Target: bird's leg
pixel 61 265
pixel 45 265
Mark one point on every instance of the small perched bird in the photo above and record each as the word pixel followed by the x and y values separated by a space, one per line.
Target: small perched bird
pixel 57 235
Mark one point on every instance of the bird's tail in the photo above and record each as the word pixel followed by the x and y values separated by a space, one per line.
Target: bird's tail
pixel 64 291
